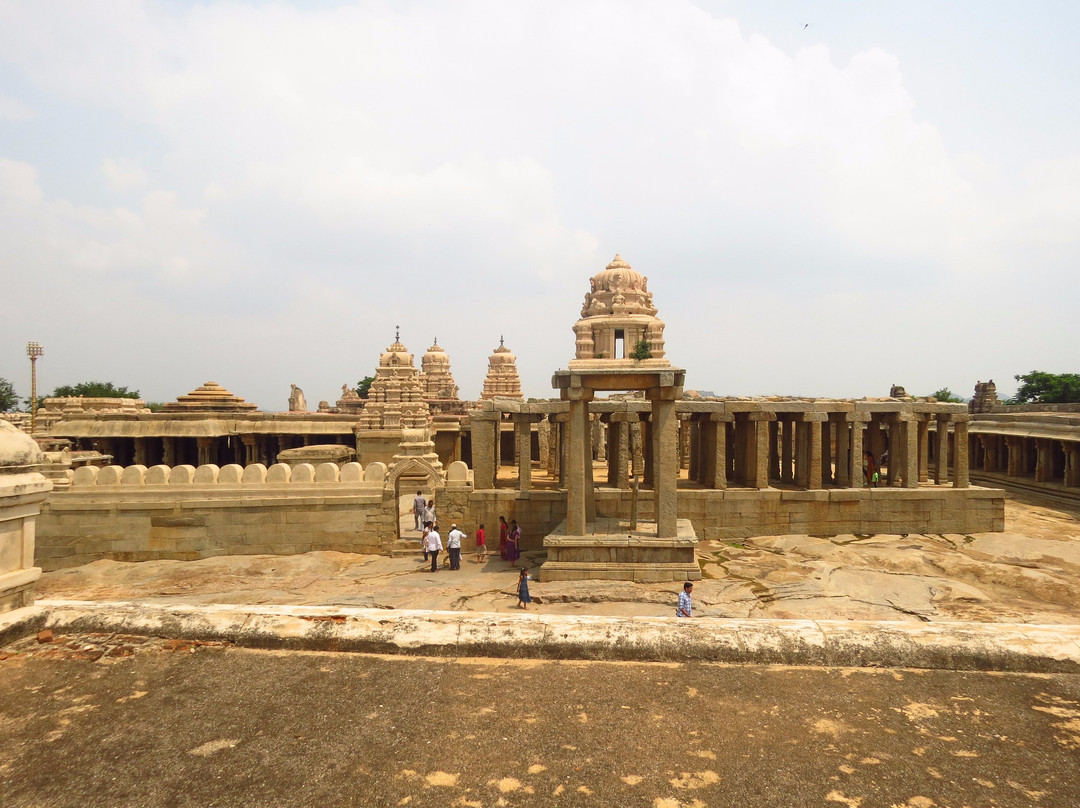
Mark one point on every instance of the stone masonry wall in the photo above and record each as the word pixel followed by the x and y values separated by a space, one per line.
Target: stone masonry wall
pixel 737 514
pixel 187 514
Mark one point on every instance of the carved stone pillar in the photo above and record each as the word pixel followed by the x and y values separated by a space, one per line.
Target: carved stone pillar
pixel 941 461
pixel 168 451
pixel 858 419
pixel 578 453
pixel 523 450
pixel 787 449
pixel 1044 460
pixel 924 448
pixel 1072 463
pixel 665 461
pixel 909 436
pixel 826 450
pixel 206 447
pixel 485 427
pixel 757 460
pixel 842 429
pixel 140 452
pixel 775 464
pixel 251 450
pixel 960 462
pixel 813 449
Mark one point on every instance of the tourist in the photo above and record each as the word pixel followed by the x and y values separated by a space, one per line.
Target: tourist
pixel 481 545
pixel 418 505
pixel 686 606
pixel 423 538
pixel 870 472
pixel 503 530
pixel 523 589
pixel 433 544
pixel 453 547
pixel 429 511
pixel 513 542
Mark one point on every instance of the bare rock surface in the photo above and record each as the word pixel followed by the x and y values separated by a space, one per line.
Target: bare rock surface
pixel 1028 574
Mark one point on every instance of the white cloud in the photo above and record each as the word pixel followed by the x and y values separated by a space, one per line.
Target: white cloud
pixel 484 159
pixel 12 109
pixel 122 174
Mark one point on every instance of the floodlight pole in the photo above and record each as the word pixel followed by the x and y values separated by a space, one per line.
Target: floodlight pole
pixel 33 350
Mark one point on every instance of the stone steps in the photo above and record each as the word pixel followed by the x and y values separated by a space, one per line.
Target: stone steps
pixel 642 573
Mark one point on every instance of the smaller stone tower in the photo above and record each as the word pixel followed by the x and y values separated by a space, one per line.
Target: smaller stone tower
pixel 502 378
pixel 396 397
pixel 437 381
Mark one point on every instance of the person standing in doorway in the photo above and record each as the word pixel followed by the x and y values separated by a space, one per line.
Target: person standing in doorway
pixel 433 544
pixel 686 605
pixel 453 546
pixel 429 511
pixel 418 505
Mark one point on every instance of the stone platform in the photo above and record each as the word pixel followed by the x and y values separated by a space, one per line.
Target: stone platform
pixel 613 552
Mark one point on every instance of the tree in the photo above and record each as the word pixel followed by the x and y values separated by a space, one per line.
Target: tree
pixel 641 350
pixel 946 395
pixel 8 399
pixel 94 390
pixel 1039 387
pixel 363 386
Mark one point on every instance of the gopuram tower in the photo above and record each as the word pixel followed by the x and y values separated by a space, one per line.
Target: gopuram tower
pixel 619 344
pixel 502 378
pixel 396 397
pixel 396 402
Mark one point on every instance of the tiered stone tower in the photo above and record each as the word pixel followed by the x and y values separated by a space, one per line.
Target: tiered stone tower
pixel 502 378
pixel 211 397
pixel 618 314
pixel 435 376
pixel 396 397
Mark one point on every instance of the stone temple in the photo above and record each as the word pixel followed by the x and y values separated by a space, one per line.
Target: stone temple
pixel 617 477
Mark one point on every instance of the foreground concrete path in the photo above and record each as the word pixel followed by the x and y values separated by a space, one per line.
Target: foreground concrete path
pixel 208 725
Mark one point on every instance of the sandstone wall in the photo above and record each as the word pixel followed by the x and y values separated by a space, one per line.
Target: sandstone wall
pixel 737 514
pixel 184 513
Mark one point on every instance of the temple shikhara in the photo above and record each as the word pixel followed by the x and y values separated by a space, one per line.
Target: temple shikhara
pixel 618 475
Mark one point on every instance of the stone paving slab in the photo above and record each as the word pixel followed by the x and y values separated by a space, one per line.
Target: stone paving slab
pixel 947 646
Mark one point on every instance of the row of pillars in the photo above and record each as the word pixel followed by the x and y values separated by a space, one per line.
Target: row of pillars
pixel 1018 456
pixel 174 451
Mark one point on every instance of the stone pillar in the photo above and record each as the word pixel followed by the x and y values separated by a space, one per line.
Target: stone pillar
pixel 924 448
pixel 684 440
pixel 647 447
pixel 716 461
pixel 802 453
pixel 140 452
pixel 960 462
pixel 1044 460
pixel 857 420
pixel 665 461
pixel 251 450
pixel 577 451
pixel 484 431
pixel 941 462
pixel 787 450
pixel 892 426
pixel 813 449
pixel 739 444
pixel 523 450
pixel 600 436
pixel 843 451
pixel 543 440
pixel 206 450
pixel 637 446
pixel 774 450
pixel 826 450
pixel 909 435
pixel 168 451
pixel 757 460
pixel 1072 463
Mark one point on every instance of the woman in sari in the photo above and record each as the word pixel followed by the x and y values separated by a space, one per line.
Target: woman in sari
pixel 513 542
pixel 503 530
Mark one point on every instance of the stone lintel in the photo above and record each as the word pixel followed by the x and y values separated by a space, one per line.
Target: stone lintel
pixel 820 417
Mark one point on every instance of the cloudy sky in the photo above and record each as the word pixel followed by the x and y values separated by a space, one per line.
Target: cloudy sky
pixel 257 193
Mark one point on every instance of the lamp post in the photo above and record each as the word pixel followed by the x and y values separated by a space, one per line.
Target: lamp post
pixel 33 350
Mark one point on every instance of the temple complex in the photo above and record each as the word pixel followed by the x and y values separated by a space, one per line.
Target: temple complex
pixel 619 477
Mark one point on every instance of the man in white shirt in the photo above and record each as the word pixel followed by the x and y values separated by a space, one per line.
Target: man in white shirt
pixel 453 546
pixel 433 545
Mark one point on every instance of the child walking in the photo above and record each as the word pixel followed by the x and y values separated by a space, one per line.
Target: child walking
pixel 523 589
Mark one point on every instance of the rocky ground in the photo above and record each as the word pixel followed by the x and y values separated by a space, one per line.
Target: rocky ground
pixel 1030 573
